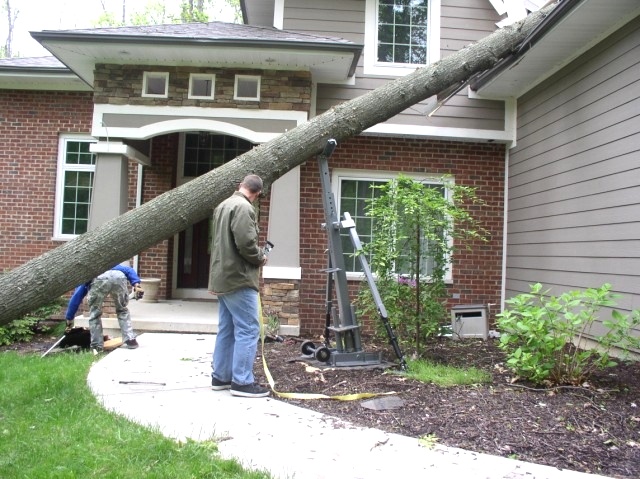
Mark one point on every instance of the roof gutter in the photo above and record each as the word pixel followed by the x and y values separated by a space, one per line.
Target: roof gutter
pixel 34 69
pixel 554 17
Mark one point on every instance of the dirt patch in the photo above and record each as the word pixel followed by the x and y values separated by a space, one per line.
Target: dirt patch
pixel 594 428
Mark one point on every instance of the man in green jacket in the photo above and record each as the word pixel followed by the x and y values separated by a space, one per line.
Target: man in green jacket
pixel 236 258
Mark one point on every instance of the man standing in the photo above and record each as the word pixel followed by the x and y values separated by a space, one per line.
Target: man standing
pixel 236 259
pixel 110 283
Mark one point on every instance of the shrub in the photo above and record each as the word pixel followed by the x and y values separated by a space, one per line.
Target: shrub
pixel 414 227
pixel 538 332
pixel 23 329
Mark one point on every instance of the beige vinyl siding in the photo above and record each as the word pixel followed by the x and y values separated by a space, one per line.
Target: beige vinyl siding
pixel 463 21
pixel 574 177
pixel 344 19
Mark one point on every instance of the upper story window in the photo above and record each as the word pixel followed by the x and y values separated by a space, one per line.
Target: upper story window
pixel 247 87
pixel 155 84
pixel 74 186
pixel 201 86
pixel 401 35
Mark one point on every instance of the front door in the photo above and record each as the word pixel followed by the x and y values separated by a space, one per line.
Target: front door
pixel 193 256
pixel 201 153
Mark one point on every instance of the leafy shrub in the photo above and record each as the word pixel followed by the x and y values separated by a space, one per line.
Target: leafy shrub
pixel 23 329
pixel 538 332
pixel 414 227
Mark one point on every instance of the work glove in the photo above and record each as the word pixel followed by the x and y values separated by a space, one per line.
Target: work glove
pixel 69 325
pixel 138 292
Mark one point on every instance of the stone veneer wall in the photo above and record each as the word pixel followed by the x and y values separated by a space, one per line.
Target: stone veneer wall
pixel 279 90
pixel 281 298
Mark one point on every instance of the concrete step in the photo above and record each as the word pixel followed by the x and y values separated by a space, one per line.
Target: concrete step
pixel 170 316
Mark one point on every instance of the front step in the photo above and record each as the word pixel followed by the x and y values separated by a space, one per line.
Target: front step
pixel 171 316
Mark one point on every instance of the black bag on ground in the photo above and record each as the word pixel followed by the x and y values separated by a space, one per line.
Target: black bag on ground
pixel 76 337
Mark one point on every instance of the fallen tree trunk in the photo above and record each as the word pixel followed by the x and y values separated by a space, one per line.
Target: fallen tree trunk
pixel 54 273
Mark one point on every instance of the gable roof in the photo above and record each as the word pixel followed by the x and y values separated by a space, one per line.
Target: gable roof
pixel 218 44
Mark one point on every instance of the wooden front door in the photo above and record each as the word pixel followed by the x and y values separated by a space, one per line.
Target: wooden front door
pixel 193 256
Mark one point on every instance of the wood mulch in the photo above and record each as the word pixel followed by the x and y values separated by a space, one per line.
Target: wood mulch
pixel 592 428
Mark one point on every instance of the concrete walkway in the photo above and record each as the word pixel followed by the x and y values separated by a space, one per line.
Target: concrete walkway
pixel 165 384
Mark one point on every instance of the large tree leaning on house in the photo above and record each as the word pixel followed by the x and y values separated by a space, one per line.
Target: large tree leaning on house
pixel 59 270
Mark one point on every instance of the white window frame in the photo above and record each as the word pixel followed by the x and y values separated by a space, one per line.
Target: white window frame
pixel 62 169
pixel 145 79
pixel 257 79
pixel 373 67
pixel 362 175
pixel 202 76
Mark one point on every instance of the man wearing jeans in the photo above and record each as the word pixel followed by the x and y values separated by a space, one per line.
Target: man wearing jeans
pixel 236 259
pixel 110 283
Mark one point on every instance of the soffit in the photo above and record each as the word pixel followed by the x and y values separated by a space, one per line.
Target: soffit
pixel 585 25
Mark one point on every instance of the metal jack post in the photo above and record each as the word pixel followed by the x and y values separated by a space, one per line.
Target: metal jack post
pixel 342 322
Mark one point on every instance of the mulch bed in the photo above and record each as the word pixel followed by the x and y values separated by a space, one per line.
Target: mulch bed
pixel 593 428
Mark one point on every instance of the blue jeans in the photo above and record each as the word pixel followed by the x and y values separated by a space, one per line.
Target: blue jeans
pixel 237 339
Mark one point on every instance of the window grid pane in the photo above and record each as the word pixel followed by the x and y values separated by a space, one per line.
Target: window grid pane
pixel 78 153
pixel 76 202
pixel 201 86
pixel 353 200
pixel 205 151
pixel 402 31
pixel 78 168
pixel 354 194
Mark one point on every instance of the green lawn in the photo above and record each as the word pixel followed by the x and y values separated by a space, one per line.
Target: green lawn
pixel 51 426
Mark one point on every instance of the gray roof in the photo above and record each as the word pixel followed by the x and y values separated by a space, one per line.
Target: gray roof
pixel 32 63
pixel 212 31
pixel 227 45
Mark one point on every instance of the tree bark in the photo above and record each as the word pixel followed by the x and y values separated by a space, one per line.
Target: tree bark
pixel 54 273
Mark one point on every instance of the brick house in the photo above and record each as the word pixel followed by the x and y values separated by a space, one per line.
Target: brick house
pixel 120 115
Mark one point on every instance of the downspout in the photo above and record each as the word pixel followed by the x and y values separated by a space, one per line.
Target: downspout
pixel 505 217
pixel 138 203
pixel 511 127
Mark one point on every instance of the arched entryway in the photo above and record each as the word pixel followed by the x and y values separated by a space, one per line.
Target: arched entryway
pixel 200 152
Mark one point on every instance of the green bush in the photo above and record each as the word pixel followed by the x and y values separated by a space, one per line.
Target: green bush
pixel 23 329
pixel 415 225
pixel 539 333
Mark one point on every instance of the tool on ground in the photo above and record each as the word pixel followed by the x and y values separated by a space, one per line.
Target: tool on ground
pixel 142 382
pixel 72 337
pixel 342 321
pixel 54 345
